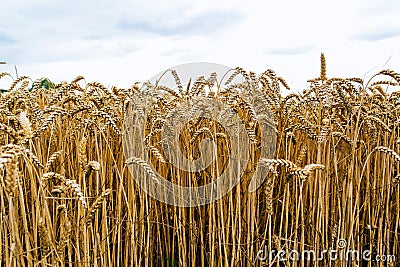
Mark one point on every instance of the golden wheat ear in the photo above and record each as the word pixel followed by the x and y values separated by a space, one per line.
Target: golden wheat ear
pixel 90 167
pixel 77 79
pixel 323 67
pixel 82 158
pixel 96 205
pixel 45 239
pixel 144 165
pixel 265 166
pixel 25 124
pixel 52 159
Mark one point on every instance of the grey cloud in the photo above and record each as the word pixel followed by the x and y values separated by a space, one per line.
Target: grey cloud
pixel 377 35
pixel 42 31
pixel 5 38
pixel 60 21
pixel 46 12
pixel 206 23
pixel 77 50
pixel 47 31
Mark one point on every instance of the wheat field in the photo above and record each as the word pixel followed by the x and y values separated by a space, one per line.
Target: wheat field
pixel 69 198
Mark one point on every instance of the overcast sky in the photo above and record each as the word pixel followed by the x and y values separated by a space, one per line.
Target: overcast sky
pixel 121 42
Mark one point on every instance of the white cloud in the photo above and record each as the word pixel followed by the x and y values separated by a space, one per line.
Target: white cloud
pixel 120 42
